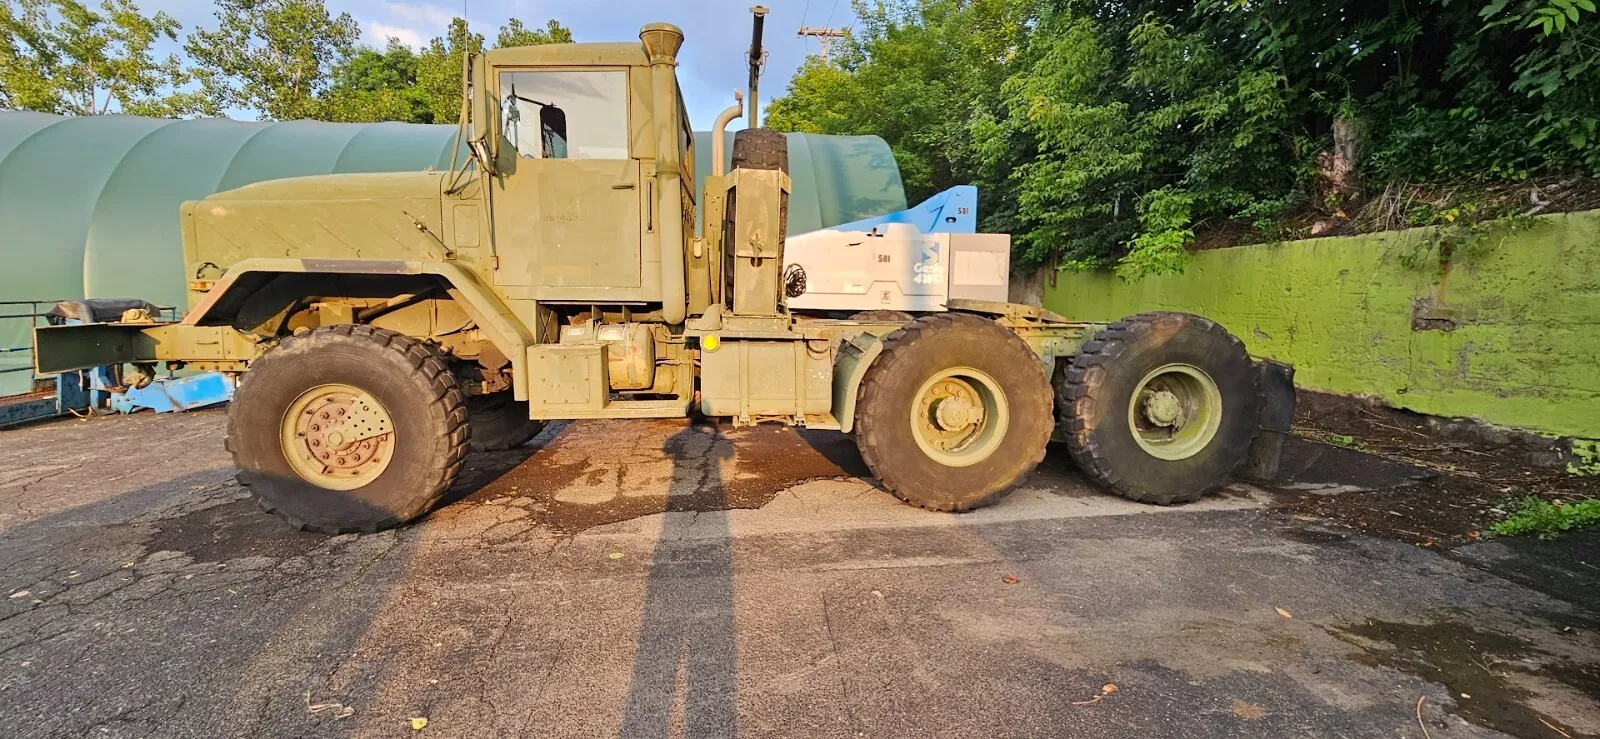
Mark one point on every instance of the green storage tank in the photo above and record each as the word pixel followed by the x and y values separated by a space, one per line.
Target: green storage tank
pixel 89 205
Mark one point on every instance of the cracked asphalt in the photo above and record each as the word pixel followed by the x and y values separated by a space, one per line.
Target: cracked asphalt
pixel 660 579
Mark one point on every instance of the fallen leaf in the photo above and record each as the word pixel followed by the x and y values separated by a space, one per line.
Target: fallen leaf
pixel 419 723
pixel 617 555
pixel 1474 534
pixel 1247 711
pixel 1283 613
pixel 1009 580
pixel 1105 690
pixel 878 593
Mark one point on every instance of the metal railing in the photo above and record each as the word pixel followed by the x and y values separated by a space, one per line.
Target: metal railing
pixel 15 310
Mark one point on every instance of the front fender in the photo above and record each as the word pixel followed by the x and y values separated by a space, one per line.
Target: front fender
pixel 483 306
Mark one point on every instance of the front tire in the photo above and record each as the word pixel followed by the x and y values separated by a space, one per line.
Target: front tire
pixel 348 428
pixel 1159 407
pixel 954 413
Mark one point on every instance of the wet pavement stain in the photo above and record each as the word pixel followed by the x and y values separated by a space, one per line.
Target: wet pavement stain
pixel 620 470
pixel 1477 666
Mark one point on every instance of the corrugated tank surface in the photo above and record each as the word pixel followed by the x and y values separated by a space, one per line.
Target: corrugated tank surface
pixel 89 205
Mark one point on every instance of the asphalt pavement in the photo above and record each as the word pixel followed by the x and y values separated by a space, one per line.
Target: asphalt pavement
pixel 656 579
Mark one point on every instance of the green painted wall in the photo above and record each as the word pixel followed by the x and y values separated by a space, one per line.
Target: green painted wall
pixel 1526 352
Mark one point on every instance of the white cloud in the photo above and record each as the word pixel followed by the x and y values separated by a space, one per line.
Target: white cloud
pixel 378 35
pixel 424 14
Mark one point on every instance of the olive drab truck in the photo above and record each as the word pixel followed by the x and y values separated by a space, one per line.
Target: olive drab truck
pixel 384 323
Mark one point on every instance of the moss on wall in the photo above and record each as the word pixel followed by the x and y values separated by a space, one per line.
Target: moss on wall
pixel 1508 333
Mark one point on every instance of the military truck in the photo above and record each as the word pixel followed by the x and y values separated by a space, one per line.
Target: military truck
pixel 384 322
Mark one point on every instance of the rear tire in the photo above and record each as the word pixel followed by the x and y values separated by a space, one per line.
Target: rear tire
pixel 402 388
pixel 499 422
pixel 1159 407
pixel 954 413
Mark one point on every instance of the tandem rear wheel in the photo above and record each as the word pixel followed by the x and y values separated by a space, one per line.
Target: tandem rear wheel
pixel 1159 408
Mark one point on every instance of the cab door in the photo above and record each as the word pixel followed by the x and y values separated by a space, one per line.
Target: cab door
pixel 567 202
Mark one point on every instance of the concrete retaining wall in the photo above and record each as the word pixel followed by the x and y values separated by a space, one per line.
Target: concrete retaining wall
pixel 1508 334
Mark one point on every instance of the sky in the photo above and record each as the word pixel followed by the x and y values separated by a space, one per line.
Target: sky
pixel 711 64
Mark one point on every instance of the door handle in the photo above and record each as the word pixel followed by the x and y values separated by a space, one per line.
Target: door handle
pixel 627 186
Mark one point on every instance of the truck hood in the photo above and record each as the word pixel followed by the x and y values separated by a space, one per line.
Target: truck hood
pixel 381 217
pixel 366 186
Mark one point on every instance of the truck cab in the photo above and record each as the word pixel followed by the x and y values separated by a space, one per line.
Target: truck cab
pixel 592 190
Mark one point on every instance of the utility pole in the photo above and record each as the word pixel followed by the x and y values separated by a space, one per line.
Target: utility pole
pixel 757 58
pixel 824 35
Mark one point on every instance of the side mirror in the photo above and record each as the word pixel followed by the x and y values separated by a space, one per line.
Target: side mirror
pixel 485 138
pixel 553 129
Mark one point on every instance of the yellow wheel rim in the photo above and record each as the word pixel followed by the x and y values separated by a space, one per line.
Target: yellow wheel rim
pixel 959 416
pixel 1175 411
pixel 337 437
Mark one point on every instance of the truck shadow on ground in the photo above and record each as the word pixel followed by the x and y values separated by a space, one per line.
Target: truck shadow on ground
pixel 687 651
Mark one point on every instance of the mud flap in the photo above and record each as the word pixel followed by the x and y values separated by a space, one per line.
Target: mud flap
pixel 1276 382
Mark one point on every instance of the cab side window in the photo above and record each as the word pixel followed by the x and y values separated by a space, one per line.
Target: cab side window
pixel 565 114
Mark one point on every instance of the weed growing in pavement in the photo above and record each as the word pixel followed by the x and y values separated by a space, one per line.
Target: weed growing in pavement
pixel 1545 518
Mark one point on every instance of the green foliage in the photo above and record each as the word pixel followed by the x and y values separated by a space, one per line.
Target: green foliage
pixel 378 86
pixel 1536 515
pixel 515 34
pixel 281 59
pixel 1461 230
pixel 275 57
pixel 1111 133
pixel 59 56
pixel 1585 458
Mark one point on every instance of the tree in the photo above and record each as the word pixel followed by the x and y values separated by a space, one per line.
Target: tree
pixel 514 34
pixel 58 56
pixel 439 70
pixel 275 57
pixel 1116 132
pixel 378 86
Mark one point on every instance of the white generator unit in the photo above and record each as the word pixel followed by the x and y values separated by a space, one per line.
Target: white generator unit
pixel 915 260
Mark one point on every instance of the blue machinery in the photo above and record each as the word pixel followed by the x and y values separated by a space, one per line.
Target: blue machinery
pixel 100 389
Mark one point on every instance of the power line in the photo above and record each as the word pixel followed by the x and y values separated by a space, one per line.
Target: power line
pixel 829 21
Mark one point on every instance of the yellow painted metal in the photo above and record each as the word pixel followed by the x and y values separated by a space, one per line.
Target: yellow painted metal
pixel 337 437
pixel 959 416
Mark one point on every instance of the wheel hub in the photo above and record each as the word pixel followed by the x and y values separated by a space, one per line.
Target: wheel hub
pixel 1163 408
pixel 337 437
pixel 959 416
pixel 1175 411
pixel 955 413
